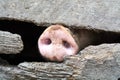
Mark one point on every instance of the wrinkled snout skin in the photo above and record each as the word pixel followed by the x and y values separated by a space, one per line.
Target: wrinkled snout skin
pixel 56 42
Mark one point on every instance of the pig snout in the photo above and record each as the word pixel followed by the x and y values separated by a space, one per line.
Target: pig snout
pixel 56 42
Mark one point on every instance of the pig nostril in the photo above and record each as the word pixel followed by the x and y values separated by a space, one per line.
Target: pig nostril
pixel 47 41
pixel 66 44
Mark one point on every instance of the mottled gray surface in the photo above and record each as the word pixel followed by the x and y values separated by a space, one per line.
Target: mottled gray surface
pixel 10 43
pixel 93 14
pixel 103 62
pixel 95 63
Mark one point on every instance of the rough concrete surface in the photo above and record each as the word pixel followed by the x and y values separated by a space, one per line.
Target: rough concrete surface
pixel 91 14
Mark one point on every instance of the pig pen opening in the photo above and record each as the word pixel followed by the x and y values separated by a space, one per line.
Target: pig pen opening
pixel 30 34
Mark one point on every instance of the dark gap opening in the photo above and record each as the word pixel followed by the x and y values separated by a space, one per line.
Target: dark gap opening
pixel 105 37
pixel 98 37
pixel 118 78
pixel 30 34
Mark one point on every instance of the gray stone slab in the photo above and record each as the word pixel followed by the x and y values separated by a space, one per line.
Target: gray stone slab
pixel 10 43
pixel 90 14
pixel 95 63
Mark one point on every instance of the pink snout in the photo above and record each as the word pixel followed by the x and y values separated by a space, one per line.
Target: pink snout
pixel 56 42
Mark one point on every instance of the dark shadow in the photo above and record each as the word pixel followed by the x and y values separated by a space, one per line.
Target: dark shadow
pixel 30 34
pixel 118 78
